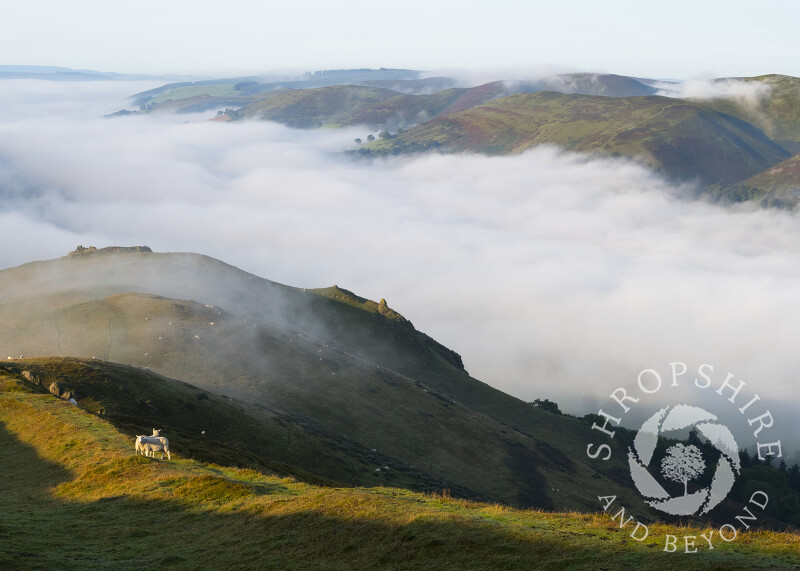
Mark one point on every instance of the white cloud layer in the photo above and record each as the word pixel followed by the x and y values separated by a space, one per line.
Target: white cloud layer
pixel 553 275
pixel 746 93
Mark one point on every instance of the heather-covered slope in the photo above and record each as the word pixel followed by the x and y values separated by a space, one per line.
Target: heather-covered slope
pixel 681 139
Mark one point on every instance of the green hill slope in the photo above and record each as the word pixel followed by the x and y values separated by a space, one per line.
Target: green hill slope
pixel 352 367
pixel 214 428
pixel 683 140
pixel 75 497
pixel 777 113
pixel 320 107
pixel 781 182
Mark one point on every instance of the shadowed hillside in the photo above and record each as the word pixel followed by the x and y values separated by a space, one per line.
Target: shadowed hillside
pixel 776 112
pixel 75 497
pixel 780 182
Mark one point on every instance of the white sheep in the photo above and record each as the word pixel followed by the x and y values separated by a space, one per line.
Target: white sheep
pixel 148 445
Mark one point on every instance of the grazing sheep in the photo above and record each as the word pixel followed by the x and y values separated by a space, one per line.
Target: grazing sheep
pixel 149 448
pixel 150 444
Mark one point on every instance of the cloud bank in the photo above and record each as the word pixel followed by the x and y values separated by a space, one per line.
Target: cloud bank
pixel 554 275
pixel 746 93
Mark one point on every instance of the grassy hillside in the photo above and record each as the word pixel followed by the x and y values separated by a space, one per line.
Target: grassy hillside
pixel 215 428
pixel 403 111
pixel 777 186
pixel 74 496
pixel 318 383
pixel 683 140
pixel 349 366
pixel 777 113
pixel 780 182
pixel 437 93
pixel 320 107
pixel 608 85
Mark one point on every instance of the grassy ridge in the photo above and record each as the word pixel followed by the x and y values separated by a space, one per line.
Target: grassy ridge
pixel 210 427
pixel 353 368
pixel 777 113
pixel 74 496
pixel 320 107
pixel 681 139
pixel 781 181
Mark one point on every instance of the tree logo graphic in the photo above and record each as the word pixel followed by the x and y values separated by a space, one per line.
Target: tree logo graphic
pixel 683 463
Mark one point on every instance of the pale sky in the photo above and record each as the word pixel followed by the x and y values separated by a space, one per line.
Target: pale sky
pixel 679 39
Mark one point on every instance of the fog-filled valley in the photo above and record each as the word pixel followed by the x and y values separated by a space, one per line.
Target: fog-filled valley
pixel 554 275
pixel 449 285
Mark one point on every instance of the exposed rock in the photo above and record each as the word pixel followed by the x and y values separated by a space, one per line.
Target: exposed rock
pixel 85 251
pixel 31 378
pixel 58 390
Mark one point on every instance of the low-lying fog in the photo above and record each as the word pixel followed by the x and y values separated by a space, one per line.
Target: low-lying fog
pixel 554 275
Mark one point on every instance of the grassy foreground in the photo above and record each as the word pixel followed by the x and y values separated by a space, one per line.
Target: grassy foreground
pixel 75 496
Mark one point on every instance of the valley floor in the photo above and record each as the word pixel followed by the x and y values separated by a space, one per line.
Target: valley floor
pixel 74 496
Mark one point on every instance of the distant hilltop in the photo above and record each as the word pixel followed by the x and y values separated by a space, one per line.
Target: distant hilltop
pixel 85 251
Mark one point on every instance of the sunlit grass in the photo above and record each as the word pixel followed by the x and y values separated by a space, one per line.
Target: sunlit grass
pixel 75 496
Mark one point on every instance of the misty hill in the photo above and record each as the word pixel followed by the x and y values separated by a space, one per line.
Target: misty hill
pixel 776 111
pixel 608 85
pixel 424 86
pixel 238 93
pixel 683 140
pixel 353 369
pixel 192 96
pixel 778 183
pixel 66 469
pixel 320 107
pixel 740 128
pixel 54 73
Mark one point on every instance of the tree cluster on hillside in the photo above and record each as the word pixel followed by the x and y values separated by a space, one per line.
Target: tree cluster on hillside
pixel 547 405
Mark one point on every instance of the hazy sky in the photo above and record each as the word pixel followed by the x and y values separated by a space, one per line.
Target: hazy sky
pixel 679 39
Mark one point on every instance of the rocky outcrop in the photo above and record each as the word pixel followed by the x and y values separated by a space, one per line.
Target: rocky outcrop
pixel 91 250
pixel 58 390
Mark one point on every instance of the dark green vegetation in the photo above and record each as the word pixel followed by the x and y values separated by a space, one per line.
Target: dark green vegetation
pixel 75 497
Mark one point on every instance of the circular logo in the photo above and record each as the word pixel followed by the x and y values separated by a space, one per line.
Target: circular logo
pixel 683 463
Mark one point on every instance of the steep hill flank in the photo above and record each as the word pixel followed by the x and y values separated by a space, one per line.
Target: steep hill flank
pixel 353 367
pixel 75 497
pixel 683 140
pixel 781 181
pixel 777 112
pixel 320 107
pixel 213 428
